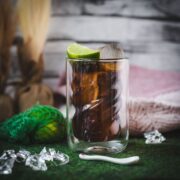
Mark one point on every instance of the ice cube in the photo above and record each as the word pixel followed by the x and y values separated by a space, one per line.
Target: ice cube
pixel 110 66
pixel 85 88
pixel 84 66
pixel 111 51
pixel 93 122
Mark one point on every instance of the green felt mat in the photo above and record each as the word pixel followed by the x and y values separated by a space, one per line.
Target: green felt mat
pixel 157 161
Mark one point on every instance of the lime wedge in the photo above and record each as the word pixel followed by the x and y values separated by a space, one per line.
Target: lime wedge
pixel 78 51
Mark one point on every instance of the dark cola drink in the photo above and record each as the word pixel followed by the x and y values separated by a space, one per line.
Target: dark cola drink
pixel 96 97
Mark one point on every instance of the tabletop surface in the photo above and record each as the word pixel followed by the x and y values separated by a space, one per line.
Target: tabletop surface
pixel 156 161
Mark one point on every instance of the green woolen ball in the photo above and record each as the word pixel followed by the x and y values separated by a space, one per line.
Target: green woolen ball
pixel 39 124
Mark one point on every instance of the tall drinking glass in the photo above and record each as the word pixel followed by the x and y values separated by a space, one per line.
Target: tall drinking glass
pixel 97 112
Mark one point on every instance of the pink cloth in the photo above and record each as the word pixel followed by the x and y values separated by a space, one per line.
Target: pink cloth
pixel 155 100
pixel 151 83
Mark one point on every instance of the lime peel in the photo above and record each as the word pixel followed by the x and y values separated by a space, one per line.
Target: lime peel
pixel 75 51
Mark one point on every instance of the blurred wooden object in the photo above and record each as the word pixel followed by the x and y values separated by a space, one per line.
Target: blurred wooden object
pixel 7 31
pixel 35 93
pixel 33 16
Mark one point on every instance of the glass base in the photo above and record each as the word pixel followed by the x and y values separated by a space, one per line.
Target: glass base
pixel 114 146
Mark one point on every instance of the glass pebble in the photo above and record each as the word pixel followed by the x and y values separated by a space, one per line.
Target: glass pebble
pixel 22 155
pixel 154 137
pixel 7 162
pixel 36 163
pixel 61 158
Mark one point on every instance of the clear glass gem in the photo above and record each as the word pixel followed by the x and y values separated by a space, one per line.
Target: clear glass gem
pixel 7 162
pixel 51 155
pixel 46 155
pixel 22 155
pixel 154 137
pixel 61 158
pixel 36 163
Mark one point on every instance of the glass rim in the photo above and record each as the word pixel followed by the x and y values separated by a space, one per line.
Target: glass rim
pixel 98 60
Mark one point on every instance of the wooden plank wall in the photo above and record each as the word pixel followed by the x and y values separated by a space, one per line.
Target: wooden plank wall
pixel 148 30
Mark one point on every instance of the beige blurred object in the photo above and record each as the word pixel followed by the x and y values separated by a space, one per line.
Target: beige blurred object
pixel 7 31
pixel 33 18
pixel 33 94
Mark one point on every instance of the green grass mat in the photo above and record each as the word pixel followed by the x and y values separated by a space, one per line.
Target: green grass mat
pixel 157 161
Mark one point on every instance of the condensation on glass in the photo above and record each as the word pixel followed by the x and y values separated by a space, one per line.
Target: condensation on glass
pixel 97 112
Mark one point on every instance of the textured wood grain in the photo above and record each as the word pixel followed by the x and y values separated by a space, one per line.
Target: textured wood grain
pixel 87 28
pixel 130 8
pixel 169 7
pixel 67 7
pixel 156 9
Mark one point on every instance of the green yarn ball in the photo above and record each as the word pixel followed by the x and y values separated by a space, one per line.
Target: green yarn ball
pixel 39 124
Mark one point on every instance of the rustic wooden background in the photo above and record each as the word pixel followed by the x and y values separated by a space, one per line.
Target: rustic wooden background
pixel 148 30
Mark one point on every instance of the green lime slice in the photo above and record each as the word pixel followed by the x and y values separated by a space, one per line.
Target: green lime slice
pixel 78 51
